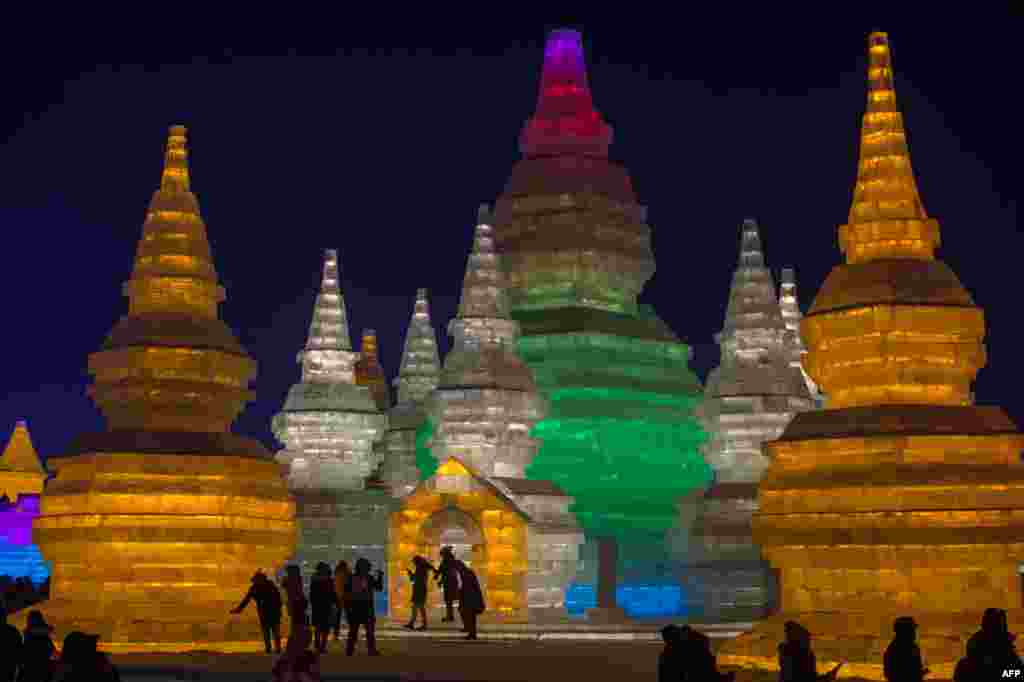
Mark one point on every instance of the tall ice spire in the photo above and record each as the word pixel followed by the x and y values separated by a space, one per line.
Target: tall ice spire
pixel 565 120
pixel 418 374
pixel 752 302
pixel 887 218
pixel 483 315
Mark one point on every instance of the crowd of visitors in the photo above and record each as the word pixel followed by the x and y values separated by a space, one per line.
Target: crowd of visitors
pixel 20 592
pixel 33 657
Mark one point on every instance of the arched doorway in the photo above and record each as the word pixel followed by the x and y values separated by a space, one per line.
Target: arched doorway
pixel 453 527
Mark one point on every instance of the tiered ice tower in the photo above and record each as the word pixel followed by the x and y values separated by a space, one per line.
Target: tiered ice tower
pixel 329 425
pixel 750 398
pixel 22 478
pixel 417 377
pixel 519 534
pixel 902 498
pixel 621 436
pixel 791 315
pixel 155 526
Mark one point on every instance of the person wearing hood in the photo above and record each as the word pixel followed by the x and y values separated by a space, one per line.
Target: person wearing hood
pixel 447 575
pixel 323 598
pixel 38 651
pixel 471 598
pixel 341 576
pixel 268 608
pixel 902 659
pixel 359 608
pixel 796 659
pixel 10 648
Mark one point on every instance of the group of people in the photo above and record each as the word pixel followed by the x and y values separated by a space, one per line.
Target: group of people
pixel 32 656
pixel 20 592
pixel 458 582
pixel 990 655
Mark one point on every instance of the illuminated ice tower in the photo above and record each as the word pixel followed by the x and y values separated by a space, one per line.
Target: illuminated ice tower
pixel 417 378
pixel 621 436
pixel 329 425
pixel 749 399
pixel 790 306
pixel 517 533
pixel 22 477
pixel 155 526
pixel 902 497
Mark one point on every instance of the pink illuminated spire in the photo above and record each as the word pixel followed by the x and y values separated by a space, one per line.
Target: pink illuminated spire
pixel 565 121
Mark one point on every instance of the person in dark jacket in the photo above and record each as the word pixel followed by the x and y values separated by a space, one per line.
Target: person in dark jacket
pixel 471 598
pixel 902 659
pixel 420 578
pixel 37 663
pixel 10 648
pixel 80 661
pixel 990 651
pixel 671 660
pixel 700 664
pixel 796 659
pixel 323 599
pixel 268 608
pixel 448 577
pixel 359 608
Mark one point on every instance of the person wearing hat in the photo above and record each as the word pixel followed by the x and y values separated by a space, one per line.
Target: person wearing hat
pixel 323 599
pixel 268 608
pixel 447 575
pixel 902 659
pixel 38 651
pixel 11 646
pixel 796 659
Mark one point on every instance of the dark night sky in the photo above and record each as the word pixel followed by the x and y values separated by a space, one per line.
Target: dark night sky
pixel 385 153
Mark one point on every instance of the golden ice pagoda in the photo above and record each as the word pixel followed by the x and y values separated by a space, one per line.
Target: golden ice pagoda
pixel 156 525
pixel 902 498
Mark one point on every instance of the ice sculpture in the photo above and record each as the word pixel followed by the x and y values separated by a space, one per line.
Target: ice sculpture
pixel 902 497
pixel 155 526
pixel 22 478
pixel 329 426
pixel 620 436
pixel 517 533
pixel 369 373
pixel 749 399
pixel 790 306
pixel 417 378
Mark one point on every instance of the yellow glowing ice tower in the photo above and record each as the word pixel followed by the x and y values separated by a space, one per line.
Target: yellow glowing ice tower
pixel 901 498
pixel 156 525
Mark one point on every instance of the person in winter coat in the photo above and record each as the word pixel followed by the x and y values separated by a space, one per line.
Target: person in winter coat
pixel 299 663
pixel 671 660
pixel 700 664
pixel 447 575
pixel 80 661
pixel 902 659
pixel 37 663
pixel 296 596
pixel 359 607
pixel 341 576
pixel 268 608
pixel 420 580
pixel 796 660
pixel 990 651
pixel 471 598
pixel 10 648
pixel 323 599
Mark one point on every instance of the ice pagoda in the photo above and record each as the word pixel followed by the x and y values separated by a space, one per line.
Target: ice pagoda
pixel 621 436
pixel 417 378
pixel 154 525
pixel 22 478
pixel 329 425
pixel 789 303
pixel 902 498
pixel 517 534
pixel 749 399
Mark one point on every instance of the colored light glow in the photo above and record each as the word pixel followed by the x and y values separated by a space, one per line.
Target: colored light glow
pixel 638 600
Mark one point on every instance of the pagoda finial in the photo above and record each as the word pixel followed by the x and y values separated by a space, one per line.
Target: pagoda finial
pixel 751 254
pixel 328 330
pixel 887 218
pixel 20 455
pixel 420 367
pixel 483 289
pixel 565 121
pixel 175 176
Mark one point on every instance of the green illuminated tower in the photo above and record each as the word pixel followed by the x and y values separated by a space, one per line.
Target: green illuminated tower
pixel 621 435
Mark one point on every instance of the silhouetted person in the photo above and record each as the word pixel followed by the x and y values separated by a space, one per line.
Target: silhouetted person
pixel 671 659
pixel 341 576
pixel 268 608
pixel 360 609
pixel 448 577
pixel 902 660
pixel 471 598
pixel 80 661
pixel 324 599
pixel 990 651
pixel 10 648
pixel 796 660
pixel 699 662
pixel 299 663
pixel 37 662
pixel 420 578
